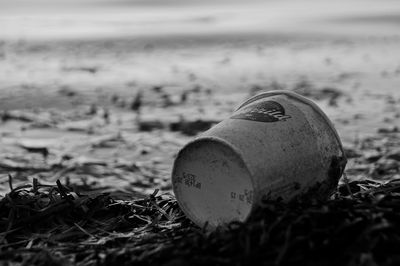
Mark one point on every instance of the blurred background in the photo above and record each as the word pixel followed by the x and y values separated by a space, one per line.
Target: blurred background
pixel 102 81
pixel 94 19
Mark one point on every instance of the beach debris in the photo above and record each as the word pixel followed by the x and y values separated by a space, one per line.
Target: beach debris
pixel 107 141
pixel 26 116
pixel 137 102
pixel 36 146
pixel 150 124
pixel 308 89
pixel 67 91
pixel 352 152
pixel 192 127
pixel 187 126
pixel 214 176
pixel 388 130
pixel 88 69
pixel 394 155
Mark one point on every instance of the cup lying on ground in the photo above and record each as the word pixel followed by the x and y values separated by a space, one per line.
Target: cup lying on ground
pixel 277 144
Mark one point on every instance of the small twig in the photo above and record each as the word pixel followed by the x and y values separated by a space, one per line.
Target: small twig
pixel 154 194
pixel 162 211
pixel 84 231
pixel 63 191
pixel 11 217
pixel 45 213
pixel 30 244
pixel 13 244
pixel 285 247
pixel 10 182
pixel 265 236
pixel 35 185
pixel 20 250
pixel 346 182
pixel 16 189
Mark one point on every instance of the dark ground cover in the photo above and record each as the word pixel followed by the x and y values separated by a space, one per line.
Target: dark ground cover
pixel 358 225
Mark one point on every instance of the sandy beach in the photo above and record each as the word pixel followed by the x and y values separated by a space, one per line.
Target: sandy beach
pixel 104 84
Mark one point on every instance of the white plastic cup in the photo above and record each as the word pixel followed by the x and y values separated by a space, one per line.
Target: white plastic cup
pixel 277 144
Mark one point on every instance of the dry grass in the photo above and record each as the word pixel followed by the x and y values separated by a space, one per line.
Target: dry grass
pixel 53 225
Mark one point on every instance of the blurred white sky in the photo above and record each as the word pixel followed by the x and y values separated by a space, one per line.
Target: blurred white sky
pixel 59 19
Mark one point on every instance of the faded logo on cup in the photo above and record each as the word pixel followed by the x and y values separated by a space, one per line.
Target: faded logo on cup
pixel 264 111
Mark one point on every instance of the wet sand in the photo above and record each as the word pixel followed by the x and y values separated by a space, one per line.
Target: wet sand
pixel 101 110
